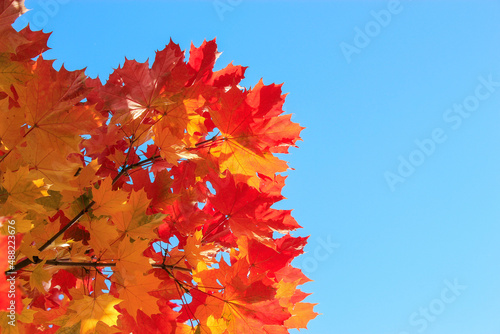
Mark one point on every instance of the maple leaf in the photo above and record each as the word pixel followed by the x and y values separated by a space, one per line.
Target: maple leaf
pixel 136 295
pixel 38 277
pixel 35 44
pixel 52 123
pixel 242 209
pixel 129 258
pixel 302 313
pixel 171 149
pixel 265 258
pixel 90 310
pixel 20 191
pixel 108 201
pixel 132 219
pixel 249 135
pixel 102 234
pixel 202 59
pixel 10 10
pixel 65 280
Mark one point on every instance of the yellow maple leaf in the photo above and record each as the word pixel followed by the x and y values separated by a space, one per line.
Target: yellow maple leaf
pixel 216 326
pixel 108 201
pixel 39 276
pixel 171 147
pixel 246 163
pixel 285 291
pixel 90 310
pixel 133 220
pixel 21 192
pixel 27 248
pixel 301 314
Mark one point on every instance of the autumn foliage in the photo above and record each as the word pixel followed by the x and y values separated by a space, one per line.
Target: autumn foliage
pixel 143 205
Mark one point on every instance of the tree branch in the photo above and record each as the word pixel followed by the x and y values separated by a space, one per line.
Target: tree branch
pixel 62 263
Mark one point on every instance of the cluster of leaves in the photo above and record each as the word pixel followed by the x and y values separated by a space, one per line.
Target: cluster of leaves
pixel 143 205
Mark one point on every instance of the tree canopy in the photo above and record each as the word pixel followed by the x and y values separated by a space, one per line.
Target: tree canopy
pixel 145 204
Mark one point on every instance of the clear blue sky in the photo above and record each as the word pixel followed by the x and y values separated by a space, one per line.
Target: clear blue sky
pixel 404 236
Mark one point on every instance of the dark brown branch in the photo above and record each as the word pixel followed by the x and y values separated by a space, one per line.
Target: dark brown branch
pixel 80 264
pixel 166 266
pixel 62 263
